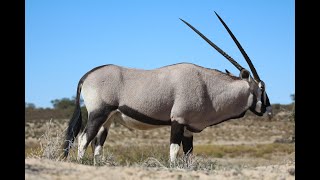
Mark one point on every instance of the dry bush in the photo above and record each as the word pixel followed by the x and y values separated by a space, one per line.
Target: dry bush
pixel 50 142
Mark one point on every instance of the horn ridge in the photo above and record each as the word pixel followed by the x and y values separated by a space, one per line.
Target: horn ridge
pixel 246 57
pixel 238 66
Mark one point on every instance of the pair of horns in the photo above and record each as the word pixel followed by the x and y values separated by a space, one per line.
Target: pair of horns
pixel 238 66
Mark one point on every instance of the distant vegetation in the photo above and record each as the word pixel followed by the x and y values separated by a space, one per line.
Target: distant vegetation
pixel 62 109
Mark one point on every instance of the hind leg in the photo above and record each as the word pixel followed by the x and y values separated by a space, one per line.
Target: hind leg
pixel 97 145
pixel 187 142
pixel 98 141
pixel 94 123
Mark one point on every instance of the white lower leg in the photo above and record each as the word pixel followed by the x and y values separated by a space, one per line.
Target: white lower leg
pixel 82 141
pixel 174 149
pixel 97 155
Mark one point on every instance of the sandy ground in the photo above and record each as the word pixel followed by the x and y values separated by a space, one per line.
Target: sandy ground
pixel 40 169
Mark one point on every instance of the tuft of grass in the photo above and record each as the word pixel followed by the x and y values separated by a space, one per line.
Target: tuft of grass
pixel 50 144
pixel 157 156
pixel 191 162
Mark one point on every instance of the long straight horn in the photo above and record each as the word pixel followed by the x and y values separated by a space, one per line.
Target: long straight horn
pixel 215 47
pixel 253 70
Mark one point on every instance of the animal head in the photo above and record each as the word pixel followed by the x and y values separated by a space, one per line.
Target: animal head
pixel 260 101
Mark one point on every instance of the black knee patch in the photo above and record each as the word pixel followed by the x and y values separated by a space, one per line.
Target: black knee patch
pixel 187 144
pixel 176 133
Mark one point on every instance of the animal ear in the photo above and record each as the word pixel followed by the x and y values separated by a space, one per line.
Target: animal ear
pixel 245 74
pixel 229 73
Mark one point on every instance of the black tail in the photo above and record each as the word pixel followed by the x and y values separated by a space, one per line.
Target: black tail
pixel 74 124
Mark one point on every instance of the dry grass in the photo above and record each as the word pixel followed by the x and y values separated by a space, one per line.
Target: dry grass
pixel 139 156
pixel 155 155
pixel 151 148
pixel 245 148
pixel 255 150
pixel 50 143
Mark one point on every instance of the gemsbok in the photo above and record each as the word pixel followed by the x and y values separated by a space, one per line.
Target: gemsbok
pixel 185 96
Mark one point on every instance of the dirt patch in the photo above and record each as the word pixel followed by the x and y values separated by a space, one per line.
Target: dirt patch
pixel 39 169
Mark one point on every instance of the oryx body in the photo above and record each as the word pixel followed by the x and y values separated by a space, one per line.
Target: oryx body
pixel 185 96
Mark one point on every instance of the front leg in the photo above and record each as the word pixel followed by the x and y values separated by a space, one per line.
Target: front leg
pixel 175 139
pixel 187 144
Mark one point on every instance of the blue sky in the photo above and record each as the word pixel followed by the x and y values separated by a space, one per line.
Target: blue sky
pixel 65 39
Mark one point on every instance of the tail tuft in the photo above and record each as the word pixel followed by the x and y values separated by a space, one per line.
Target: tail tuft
pixel 72 131
pixel 74 125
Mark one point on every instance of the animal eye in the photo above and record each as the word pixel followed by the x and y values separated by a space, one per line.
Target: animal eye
pixel 261 85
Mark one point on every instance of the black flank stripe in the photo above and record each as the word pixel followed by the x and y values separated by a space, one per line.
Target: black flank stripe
pixel 134 114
